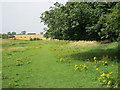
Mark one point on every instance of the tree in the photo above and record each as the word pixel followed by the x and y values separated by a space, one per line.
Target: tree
pixel 23 32
pixel 68 22
pixel 108 25
pixel 81 21
pixel 4 36
pixel 13 33
pixel 9 33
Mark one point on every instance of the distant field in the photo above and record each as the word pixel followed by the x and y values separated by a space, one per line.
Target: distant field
pixel 27 37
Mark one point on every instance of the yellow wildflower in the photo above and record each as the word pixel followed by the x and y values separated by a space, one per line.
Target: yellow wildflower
pixel 108 86
pixel 99 79
pixel 104 80
pixel 81 65
pixel 76 68
pixel 105 61
pixel 95 58
pixel 103 75
pixel 61 59
pixel 115 86
pixel 97 68
pixel 76 65
pixel 107 75
pixel 109 82
pixel 102 61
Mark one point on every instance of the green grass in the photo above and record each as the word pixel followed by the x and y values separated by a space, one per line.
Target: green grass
pixel 39 64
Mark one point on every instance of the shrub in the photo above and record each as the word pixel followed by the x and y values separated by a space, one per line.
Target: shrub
pixel 4 36
pixel 38 38
pixel 35 39
pixel 31 39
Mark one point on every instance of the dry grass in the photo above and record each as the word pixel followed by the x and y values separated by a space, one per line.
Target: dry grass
pixel 84 43
pixel 14 48
pixel 1 49
pixel 27 37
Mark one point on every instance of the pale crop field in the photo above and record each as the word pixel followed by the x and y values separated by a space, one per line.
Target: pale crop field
pixel 27 37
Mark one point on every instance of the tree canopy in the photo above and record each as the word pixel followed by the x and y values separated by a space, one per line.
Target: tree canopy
pixel 83 21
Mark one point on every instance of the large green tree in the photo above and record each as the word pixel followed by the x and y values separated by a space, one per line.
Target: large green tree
pixel 108 25
pixel 69 21
pixel 77 20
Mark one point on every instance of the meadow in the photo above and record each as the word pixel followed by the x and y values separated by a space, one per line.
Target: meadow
pixel 59 64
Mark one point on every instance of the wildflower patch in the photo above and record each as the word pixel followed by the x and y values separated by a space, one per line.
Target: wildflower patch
pixel 21 61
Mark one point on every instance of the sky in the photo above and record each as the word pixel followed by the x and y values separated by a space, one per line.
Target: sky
pixel 18 15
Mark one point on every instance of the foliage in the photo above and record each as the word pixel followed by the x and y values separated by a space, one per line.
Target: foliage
pixel 82 21
pixel 108 25
pixel 4 36
pixel 9 33
pixel 32 39
pixel 13 33
pixel 108 80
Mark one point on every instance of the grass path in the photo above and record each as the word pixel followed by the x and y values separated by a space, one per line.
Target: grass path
pixel 47 72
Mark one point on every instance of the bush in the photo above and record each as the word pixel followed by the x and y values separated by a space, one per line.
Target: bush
pixel 31 39
pixel 35 39
pixel 4 36
pixel 38 38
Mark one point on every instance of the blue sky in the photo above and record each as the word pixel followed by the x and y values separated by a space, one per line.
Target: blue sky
pixel 19 16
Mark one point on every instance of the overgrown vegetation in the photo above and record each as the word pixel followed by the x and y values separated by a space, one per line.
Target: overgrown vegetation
pixel 83 21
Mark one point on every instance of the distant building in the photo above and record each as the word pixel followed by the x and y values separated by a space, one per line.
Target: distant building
pixel 31 33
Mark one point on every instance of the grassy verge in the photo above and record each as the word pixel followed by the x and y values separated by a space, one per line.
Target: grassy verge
pixel 58 64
